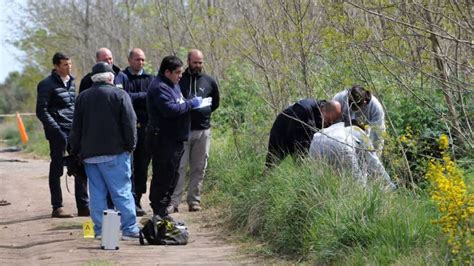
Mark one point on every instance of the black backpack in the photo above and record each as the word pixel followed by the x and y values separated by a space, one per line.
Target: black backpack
pixel 163 232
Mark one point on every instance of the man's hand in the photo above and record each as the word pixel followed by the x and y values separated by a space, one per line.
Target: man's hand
pixel 196 101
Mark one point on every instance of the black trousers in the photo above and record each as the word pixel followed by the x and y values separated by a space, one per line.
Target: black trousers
pixel 166 155
pixel 57 146
pixel 141 160
pixel 288 136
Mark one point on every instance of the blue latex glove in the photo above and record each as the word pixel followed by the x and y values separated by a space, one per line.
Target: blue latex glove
pixel 196 101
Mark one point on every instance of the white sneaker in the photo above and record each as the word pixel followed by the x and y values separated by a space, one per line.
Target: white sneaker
pixel 131 237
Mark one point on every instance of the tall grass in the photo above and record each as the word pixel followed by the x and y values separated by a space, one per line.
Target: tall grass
pixel 307 211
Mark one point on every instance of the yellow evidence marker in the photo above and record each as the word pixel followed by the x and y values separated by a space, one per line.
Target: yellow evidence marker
pixel 88 229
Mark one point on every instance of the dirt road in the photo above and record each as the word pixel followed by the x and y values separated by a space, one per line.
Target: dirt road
pixel 29 236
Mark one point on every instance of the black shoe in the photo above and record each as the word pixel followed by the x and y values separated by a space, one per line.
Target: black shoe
pixel 140 212
pixel 83 212
pixel 61 213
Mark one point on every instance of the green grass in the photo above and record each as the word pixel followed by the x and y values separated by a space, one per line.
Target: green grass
pixel 37 143
pixel 308 212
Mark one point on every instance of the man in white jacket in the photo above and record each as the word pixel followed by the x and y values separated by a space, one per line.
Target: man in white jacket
pixel 349 148
pixel 360 107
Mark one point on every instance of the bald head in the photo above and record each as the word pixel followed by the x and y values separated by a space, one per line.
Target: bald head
pixel 136 60
pixel 104 55
pixel 331 112
pixel 195 61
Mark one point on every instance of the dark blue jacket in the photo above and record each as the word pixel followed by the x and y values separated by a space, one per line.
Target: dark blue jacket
pixel 137 87
pixel 204 86
pixel 168 111
pixel 55 102
pixel 104 122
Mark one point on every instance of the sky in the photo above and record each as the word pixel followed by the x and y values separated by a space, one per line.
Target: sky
pixel 10 57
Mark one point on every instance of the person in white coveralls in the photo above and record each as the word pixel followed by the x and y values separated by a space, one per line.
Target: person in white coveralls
pixel 349 148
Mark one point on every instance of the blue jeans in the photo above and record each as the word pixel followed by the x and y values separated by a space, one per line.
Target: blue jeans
pixel 113 177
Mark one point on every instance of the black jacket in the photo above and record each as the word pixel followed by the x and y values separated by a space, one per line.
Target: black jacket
pixel 136 86
pixel 295 126
pixel 168 112
pixel 200 85
pixel 309 111
pixel 55 102
pixel 104 122
pixel 86 81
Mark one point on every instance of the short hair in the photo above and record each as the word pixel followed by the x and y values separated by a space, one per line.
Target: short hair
pixel 102 50
pixel 170 63
pixel 192 51
pixel 327 106
pixel 130 54
pixel 57 57
pixel 133 51
pixel 103 77
pixel 359 96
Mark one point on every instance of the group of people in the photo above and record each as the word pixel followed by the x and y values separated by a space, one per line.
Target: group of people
pixel 123 120
pixel 346 132
pixel 119 122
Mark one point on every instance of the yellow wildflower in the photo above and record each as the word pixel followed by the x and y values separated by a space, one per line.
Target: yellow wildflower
pixel 454 202
pixel 443 142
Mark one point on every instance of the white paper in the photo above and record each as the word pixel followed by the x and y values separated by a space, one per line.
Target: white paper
pixel 205 103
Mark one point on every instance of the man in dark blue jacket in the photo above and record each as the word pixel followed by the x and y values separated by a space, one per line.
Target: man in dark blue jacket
pixel 196 149
pixel 103 135
pixel 55 108
pixel 135 81
pixel 102 55
pixel 293 129
pixel 168 127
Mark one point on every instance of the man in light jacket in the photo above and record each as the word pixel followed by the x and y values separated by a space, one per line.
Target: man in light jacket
pixel 359 106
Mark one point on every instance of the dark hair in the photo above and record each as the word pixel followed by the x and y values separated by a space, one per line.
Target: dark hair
pixel 359 96
pixel 170 63
pixel 132 52
pixel 57 57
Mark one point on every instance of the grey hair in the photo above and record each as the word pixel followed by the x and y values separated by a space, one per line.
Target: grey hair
pixel 103 77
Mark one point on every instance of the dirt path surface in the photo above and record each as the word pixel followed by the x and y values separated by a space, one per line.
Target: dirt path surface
pixel 29 236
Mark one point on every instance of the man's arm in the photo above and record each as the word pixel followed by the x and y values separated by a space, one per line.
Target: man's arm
pixel 377 124
pixel 121 81
pixel 215 96
pixel 129 122
pixel 76 129
pixel 42 101
pixel 341 97
pixel 168 105
pixel 86 83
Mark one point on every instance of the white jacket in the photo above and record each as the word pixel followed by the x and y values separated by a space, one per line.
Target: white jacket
pixel 371 114
pixel 348 148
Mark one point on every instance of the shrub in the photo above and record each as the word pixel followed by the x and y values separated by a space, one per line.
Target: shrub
pixel 307 211
pixel 455 204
